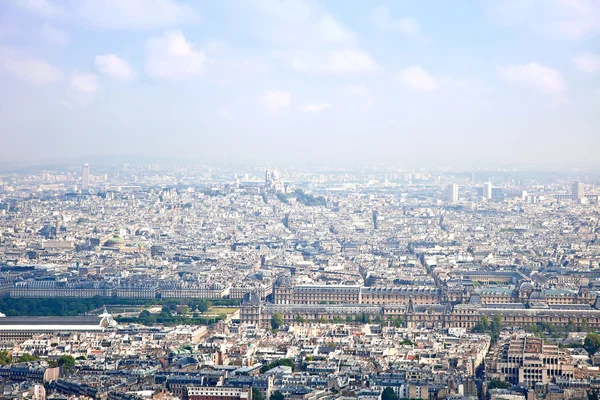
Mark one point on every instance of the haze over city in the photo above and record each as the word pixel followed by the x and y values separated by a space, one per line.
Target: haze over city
pixel 473 83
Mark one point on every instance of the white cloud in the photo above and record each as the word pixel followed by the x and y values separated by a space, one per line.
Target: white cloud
pixel 587 62
pixel 84 83
pixel 533 75
pixel 358 90
pixel 342 62
pixel 114 14
pixel 31 70
pixel 296 23
pixel 333 31
pixel 417 78
pixel 171 56
pixel 225 112
pixel 381 18
pixel 316 107
pixel 114 67
pixel 559 19
pixel 275 100
pixel 52 35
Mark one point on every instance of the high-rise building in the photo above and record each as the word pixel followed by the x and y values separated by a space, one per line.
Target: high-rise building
pixel 452 194
pixel 577 191
pixel 487 190
pixel 85 177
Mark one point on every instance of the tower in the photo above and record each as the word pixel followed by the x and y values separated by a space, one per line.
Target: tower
pixel 487 190
pixel 577 191
pixel 452 193
pixel 85 177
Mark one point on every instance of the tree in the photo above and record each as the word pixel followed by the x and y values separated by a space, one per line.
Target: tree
pixel 257 395
pixel 277 395
pixel 389 394
pixel 5 358
pixel 592 343
pixel 276 320
pixel 26 357
pixel 66 362
pixel 498 384
pixel 483 325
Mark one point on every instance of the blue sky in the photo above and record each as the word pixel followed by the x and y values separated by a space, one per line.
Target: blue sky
pixel 474 83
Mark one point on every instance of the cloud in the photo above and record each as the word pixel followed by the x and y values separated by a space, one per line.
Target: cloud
pixel 114 67
pixel 341 62
pixel 587 62
pixel 82 82
pixel 296 23
pixel 535 76
pixel 316 107
pixel 333 31
pixel 357 90
pixel 171 56
pixel 31 70
pixel 225 112
pixel 558 19
pixel 381 18
pixel 114 14
pixel 54 36
pixel 417 78
pixel 275 100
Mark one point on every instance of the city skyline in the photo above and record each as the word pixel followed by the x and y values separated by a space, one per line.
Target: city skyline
pixel 483 83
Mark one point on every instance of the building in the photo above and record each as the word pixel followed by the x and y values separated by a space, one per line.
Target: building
pixel 452 193
pixel 52 289
pixel 577 191
pixel 530 360
pixel 286 293
pixel 85 177
pixel 22 328
pixel 218 393
pixel 487 190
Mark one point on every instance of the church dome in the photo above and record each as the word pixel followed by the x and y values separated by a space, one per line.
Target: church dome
pixel 114 241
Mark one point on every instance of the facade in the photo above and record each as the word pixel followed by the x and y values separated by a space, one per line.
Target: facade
pixel 577 191
pixel 85 177
pixel 487 190
pixel 183 290
pixel 452 193
pixel 530 360
pixel 526 306
pixel 51 289
pixel 218 393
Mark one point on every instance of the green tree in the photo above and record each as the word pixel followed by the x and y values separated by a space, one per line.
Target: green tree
pixel 592 343
pixel 389 394
pixel 5 358
pixel 66 362
pixel 277 395
pixel 276 320
pixel 498 384
pixel 26 357
pixel 483 325
pixel 257 395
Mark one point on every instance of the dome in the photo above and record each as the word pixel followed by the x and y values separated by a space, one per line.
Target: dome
pixel 527 286
pixel 114 241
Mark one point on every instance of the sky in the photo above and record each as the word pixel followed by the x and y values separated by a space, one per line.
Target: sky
pixel 405 82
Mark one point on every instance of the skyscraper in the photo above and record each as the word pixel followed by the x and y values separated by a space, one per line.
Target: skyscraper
pixel 577 191
pixel 452 194
pixel 85 177
pixel 487 190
